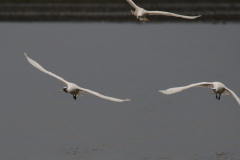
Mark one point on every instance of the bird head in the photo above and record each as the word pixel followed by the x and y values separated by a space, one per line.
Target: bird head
pixel 139 18
pixel 64 89
pixel 214 91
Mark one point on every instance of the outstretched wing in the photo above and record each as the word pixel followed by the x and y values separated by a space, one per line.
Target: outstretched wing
pixel 179 89
pixel 233 94
pixel 170 14
pixel 102 96
pixel 35 64
pixel 132 4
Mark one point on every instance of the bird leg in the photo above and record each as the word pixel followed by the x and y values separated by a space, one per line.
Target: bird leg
pixel 74 96
pixel 219 96
pixel 216 96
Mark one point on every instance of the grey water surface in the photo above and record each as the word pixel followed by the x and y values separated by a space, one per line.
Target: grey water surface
pixel 122 60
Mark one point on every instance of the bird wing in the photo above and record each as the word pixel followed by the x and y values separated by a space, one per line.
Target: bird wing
pixel 102 96
pixel 132 4
pixel 170 14
pixel 226 93
pixel 179 89
pixel 233 94
pixel 205 85
pixel 35 64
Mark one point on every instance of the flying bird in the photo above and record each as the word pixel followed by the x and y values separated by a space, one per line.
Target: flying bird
pixel 71 87
pixel 217 87
pixel 141 13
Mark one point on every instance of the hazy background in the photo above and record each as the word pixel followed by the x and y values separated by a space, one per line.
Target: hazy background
pixel 115 1
pixel 213 11
pixel 127 60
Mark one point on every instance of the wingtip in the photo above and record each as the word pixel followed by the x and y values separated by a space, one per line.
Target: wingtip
pixel 127 99
pixel 194 17
pixel 163 91
pixel 198 16
pixel 25 54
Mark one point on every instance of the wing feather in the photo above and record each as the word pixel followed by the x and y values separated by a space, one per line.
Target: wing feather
pixel 205 85
pixel 132 4
pixel 226 93
pixel 170 14
pixel 102 96
pixel 233 94
pixel 38 66
pixel 179 89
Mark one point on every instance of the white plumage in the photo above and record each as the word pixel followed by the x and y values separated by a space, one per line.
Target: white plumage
pixel 140 13
pixel 71 87
pixel 217 87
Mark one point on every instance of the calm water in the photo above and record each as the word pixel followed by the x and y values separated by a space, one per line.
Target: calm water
pixel 124 61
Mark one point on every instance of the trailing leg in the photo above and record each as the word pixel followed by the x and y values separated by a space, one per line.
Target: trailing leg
pixel 219 96
pixel 74 96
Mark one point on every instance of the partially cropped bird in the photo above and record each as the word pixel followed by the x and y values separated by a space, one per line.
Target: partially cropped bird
pixel 141 13
pixel 71 87
pixel 217 87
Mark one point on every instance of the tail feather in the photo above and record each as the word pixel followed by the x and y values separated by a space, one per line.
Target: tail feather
pixel 80 95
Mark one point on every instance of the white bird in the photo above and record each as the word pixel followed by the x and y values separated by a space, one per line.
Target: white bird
pixel 71 87
pixel 140 13
pixel 217 87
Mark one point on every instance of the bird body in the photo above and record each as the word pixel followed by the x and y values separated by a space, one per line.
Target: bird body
pixel 217 88
pixel 141 13
pixel 71 87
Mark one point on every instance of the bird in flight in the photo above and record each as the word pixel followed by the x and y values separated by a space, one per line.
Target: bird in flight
pixel 141 13
pixel 71 87
pixel 217 87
